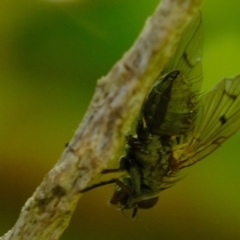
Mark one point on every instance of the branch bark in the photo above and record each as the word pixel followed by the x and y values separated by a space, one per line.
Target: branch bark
pixel 116 102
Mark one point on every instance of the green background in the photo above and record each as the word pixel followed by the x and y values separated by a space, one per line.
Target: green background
pixel 52 53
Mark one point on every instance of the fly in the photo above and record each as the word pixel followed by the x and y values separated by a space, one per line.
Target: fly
pixel 176 127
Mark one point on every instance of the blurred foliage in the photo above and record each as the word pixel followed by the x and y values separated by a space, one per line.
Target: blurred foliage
pixel 52 53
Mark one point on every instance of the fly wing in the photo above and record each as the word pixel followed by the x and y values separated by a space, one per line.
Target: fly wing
pixel 188 55
pixel 217 120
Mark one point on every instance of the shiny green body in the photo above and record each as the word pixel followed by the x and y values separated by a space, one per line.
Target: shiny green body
pixel 168 115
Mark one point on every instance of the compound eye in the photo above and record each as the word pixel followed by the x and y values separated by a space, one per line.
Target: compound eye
pixel 149 203
pixel 119 197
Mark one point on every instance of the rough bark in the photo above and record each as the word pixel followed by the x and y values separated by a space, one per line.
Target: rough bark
pixel 115 104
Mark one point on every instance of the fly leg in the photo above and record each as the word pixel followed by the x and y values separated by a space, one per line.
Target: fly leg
pixel 114 180
pixel 103 183
pixel 118 182
pixel 111 170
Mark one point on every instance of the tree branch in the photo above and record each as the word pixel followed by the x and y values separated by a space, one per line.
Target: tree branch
pixel 116 102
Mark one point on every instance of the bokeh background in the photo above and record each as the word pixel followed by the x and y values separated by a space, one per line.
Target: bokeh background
pixel 51 54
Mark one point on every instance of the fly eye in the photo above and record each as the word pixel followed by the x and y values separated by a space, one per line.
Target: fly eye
pixel 119 196
pixel 149 203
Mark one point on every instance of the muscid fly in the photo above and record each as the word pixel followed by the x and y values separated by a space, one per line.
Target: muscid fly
pixel 176 127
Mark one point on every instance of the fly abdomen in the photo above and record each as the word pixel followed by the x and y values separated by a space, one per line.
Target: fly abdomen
pixel 170 107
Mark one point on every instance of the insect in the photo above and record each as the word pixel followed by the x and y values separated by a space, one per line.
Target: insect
pixel 176 127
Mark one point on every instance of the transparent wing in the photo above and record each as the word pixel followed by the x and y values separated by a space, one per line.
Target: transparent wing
pixel 188 54
pixel 217 120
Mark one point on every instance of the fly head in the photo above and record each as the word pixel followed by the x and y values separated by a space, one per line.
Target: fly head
pixel 124 197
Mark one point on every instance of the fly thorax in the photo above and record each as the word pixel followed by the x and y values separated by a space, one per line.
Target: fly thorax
pixel 145 152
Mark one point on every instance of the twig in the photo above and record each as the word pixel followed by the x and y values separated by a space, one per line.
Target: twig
pixel 116 102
